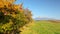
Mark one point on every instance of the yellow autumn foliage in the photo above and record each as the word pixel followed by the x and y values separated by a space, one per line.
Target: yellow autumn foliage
pixel 12 16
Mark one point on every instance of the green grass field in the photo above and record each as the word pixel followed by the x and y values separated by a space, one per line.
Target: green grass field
pixel 43 27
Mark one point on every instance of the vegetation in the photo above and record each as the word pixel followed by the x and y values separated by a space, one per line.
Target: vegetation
pixel 12 17
pixel 43 27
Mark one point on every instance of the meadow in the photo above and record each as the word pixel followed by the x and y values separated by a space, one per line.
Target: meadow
pixel 43 27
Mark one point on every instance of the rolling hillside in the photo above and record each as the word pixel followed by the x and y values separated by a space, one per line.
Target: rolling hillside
pixel 43 27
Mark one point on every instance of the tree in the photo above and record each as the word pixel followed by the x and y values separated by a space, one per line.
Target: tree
pixel 28 14
pixel 12 17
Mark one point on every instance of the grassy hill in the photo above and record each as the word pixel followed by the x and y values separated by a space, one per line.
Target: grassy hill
pixel 43 27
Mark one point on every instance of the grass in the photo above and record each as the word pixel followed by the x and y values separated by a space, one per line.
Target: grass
pixel 43 27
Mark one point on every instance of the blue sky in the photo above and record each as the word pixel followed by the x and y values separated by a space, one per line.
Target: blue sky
pixel 42 8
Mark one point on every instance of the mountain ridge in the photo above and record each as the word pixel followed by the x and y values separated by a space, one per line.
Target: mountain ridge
pixel 44 18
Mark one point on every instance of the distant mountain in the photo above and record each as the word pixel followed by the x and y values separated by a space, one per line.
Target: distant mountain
pixel 43 18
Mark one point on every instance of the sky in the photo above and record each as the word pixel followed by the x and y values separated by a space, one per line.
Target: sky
pixel 42 8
